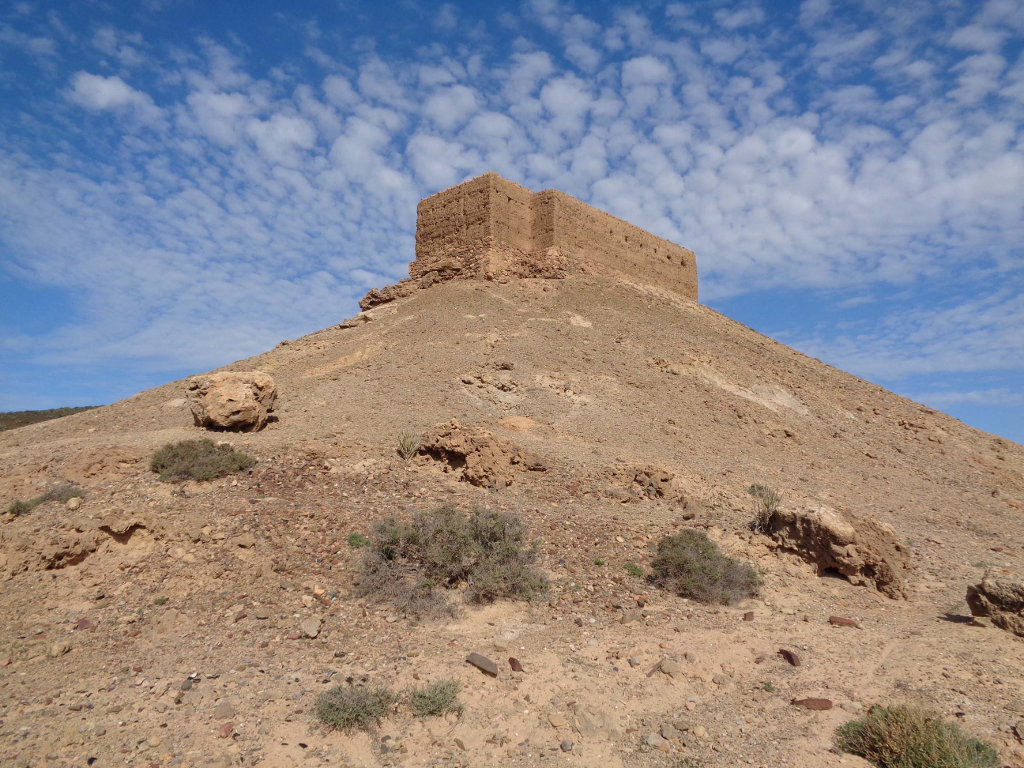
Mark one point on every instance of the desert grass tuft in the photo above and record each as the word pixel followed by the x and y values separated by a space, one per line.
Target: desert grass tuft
pixel 766 506
pixel 408 445
pixel 198 460
pixel 691 565
pixel 913 737
pixel 436 699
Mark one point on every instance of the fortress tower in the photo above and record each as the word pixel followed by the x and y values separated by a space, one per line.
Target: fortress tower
pixel 490 220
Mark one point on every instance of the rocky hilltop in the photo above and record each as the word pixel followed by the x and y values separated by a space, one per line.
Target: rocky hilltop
pixel 196 623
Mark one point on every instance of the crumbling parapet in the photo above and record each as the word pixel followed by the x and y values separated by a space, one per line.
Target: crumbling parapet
pixel 495 222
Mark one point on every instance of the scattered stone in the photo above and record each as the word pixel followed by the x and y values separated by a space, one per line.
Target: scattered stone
pixel 460 744
pixel 59 648
pixel 484 664
pixel 748 616
pixel 854 707
pixel 74 503
pixel 790 656
pixel 557 720
pixel 839 621
pixel 224 710
pixel 1000 598
pixel 671 668
pixel 310 627
pixel 226 730
pixel 245 541
pixel 669 731
pixel 261 613
pixel 655 740
pixel 514 663
pixel 240 401
pixel 634 661
pixel 700 732
pixel 186 684
pixel 817 704
pixel 865 551
pixel 566 745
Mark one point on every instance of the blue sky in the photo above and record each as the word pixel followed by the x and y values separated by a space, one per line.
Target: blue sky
pixel 185 183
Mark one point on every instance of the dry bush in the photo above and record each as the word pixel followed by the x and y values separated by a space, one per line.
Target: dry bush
pixel 691 565
pixel 347 708
pixel 912 737
pixel 198 460
pixel 413 564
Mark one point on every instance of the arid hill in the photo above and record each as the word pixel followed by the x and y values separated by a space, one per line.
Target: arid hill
pixel 154 623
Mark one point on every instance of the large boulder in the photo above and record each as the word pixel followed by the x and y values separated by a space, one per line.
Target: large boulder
pixel 1000 597
pixel 240 401
pixel 478 456
pixel 864 551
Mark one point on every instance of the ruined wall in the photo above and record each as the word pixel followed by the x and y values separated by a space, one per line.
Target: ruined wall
pixel 490 220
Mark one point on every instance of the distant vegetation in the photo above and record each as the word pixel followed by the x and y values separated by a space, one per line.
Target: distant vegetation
pixel 59 493
pixel 15 419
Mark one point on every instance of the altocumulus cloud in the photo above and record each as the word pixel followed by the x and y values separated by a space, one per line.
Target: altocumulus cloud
pixel 197 197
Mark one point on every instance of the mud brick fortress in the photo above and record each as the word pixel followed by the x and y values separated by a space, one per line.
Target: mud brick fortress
pixel 503 228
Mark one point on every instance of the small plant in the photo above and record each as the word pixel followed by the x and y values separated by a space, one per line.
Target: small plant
pixel 356 540
pixel 598 561
pixel 198 460
pixel 691 565
pixel 160 600
pixel 766 505
pixel 347 708
pixel 408 445
pixel 436 699
pixel 769 688
pixel 634 570
pixel 409 563
pixel 912 737
pixel 61 493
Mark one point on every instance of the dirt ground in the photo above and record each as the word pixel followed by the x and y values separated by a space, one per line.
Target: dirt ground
pixel 161 624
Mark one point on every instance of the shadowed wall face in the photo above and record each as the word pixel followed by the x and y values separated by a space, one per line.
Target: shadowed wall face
pixel 490 212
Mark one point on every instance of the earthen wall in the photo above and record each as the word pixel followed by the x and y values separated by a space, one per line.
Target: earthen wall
pixel 490 213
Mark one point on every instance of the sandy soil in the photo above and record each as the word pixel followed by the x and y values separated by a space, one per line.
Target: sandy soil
pixel 136 627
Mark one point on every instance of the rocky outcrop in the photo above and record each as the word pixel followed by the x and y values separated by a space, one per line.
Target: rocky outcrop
pixel 1000 598
pixel 478 456
pixel 864 551
pixel 238 401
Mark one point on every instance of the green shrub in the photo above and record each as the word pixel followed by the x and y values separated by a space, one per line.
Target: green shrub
pixel 436 699
pixel 356 540
pixel 198 460
pixel 911 737
pixel 347 708
pixel 634 570
pixel 691 565
pixel 60 493
pixel 413 563
pixel 408 445
pixel 766 505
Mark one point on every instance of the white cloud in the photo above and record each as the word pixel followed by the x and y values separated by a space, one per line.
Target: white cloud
pixel 979 38
pixel 450 107
pixel 111 93
pixel 447 17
